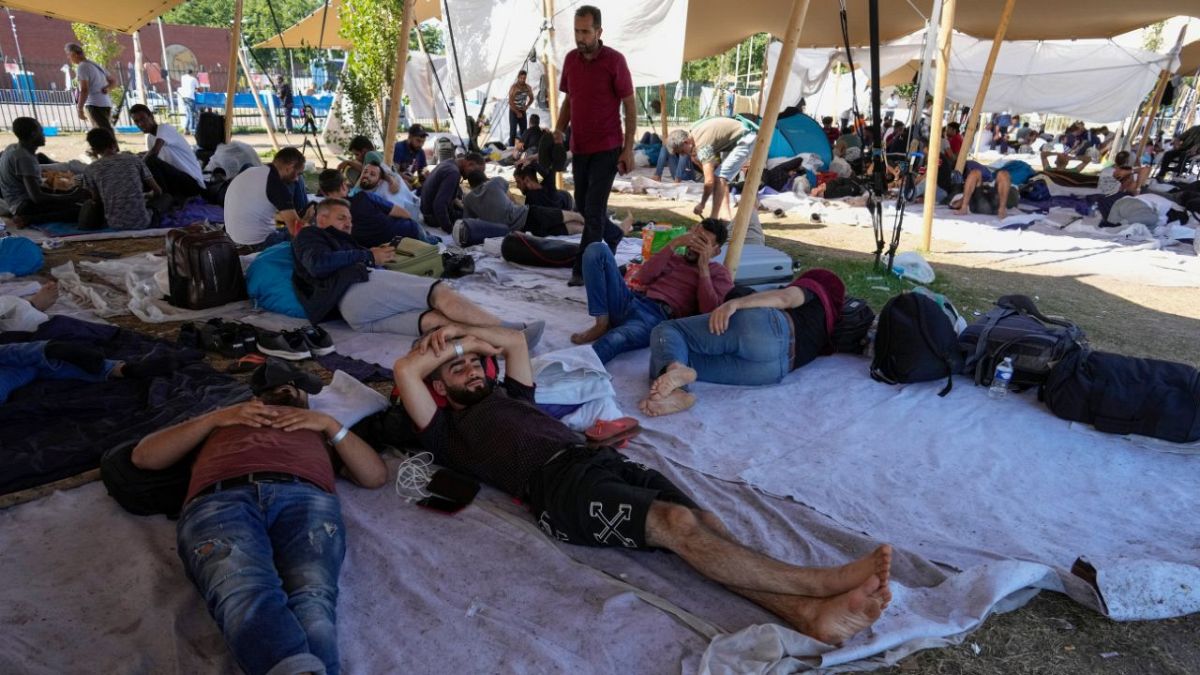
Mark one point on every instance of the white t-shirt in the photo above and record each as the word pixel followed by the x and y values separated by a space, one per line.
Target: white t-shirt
pixel 841 167
pixel 97 81
pixel 249 214
pixel 1106 184
pixel 176 151
pixel 187 86
pixel 404 197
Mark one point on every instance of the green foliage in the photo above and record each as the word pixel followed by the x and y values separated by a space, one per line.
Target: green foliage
pixel 373 27
pixel 1152 36
pixel 100 45
pixel 257 23
pixel 719 69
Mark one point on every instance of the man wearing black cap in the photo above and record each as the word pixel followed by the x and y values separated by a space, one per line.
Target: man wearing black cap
pixel 409 155
pixel 261 533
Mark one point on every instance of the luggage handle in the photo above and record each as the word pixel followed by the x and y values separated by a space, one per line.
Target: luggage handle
pixel 1023 304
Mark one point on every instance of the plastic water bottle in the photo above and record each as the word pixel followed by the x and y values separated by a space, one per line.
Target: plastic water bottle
pixel 1001 379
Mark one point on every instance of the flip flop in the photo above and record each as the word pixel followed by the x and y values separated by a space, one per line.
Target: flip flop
pixel 246 364
pixel 610 432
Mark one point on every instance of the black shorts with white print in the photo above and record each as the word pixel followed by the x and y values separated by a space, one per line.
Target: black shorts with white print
pixel 598 497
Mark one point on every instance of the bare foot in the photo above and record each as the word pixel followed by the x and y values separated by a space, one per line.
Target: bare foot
pixel 837 619
pixel 46 296
pixel 675 376
pixel 627 224
pixel 1002 213
pixel 837 580
pixel 677 401
pixel 592 334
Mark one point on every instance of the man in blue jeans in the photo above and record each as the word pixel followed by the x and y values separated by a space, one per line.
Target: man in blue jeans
pixel 261 533
pixel 24 362
pixel 676 285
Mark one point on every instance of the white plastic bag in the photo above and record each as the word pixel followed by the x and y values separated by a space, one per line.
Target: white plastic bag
pixel 910 265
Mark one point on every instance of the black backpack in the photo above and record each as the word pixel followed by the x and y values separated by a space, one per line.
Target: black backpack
pixel 142 492
pixel 210 131
pixel 1016 328
pixel 1126 395
pixel 915 342
pixel 850 331
pixel 203 268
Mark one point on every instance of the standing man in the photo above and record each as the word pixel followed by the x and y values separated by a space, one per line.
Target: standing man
pixel 520 95
pixel 187 93
pixel 286 99
pixel 94 82
pixel 597 85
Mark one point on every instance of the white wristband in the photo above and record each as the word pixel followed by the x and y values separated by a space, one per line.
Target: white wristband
pixel 337 438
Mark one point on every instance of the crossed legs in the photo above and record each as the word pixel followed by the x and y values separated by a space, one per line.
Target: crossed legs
pixel 830 604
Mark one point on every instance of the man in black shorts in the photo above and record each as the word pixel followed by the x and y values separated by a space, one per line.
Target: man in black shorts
pixel 597 497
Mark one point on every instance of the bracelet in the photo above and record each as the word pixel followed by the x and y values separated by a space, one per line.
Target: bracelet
pixel 458 348
pixel 337 438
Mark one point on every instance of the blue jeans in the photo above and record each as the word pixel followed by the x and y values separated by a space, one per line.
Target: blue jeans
pixel 631 316
pixel 189 115
pixel 680 166
pixel 266 559
pixel 24 362
pixel 753 351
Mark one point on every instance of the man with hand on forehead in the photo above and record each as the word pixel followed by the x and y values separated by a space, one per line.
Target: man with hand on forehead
pixel 598 497
pixel 261 533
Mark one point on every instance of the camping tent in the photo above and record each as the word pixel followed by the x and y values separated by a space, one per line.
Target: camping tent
pixel 797 134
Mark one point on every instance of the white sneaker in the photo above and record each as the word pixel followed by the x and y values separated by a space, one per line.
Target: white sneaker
pixel 459 233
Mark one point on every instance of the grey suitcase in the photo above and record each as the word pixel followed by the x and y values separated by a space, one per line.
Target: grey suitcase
pixel 762 267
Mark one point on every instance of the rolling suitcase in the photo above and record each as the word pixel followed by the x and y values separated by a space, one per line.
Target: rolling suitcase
pixel 763 268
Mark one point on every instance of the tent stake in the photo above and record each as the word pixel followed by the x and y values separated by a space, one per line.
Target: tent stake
pixel 748 201
pixel 977 107
pixel 235 41
pixel 945 34
pixel 393 118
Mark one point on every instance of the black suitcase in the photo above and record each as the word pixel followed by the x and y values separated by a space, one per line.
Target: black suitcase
pixel 1126 395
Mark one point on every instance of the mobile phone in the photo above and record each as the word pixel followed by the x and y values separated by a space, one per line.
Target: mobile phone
pixel 441 505
pixel 450 492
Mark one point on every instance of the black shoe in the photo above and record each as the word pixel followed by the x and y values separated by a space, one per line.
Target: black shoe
pixel 289 345
pixel 316 339
pixel 222 338
pixel 576 279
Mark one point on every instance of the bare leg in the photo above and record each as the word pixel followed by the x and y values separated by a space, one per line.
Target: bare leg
pixel 680 530
pixel 720 192
pixel 458 309
pixel 46 296
pixel 1045 155
pixel 592 334
pixel 969 185
pixel 627 223
pixel 1003 184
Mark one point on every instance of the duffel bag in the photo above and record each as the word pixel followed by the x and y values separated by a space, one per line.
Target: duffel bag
pixel 1126 395
pixel 1017 328
pixel 526 249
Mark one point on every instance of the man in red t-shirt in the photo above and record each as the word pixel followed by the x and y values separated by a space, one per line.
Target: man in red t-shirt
pixel 261 533
pixel 956 141
pixel 597 85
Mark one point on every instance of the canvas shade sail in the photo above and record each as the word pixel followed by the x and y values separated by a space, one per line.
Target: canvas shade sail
pixel 307 31
pixel 125 16
pixel 1189 58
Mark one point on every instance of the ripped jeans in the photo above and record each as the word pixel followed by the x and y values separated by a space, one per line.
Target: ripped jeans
pixel 266 558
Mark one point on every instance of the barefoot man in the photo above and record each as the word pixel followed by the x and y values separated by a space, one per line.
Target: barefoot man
pixel 597 497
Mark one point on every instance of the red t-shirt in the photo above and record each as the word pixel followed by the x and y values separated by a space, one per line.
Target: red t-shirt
pixel 596 89
pixel 956 141
pixel 235 451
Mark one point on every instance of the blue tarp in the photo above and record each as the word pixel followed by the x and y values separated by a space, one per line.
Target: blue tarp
pixel 320 103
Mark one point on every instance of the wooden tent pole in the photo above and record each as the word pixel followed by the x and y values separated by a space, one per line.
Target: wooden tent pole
pixel 552 76
pixel 262 112
pixel 662 105
pixel 1144 123
pixel 1164 77
pixel 749 199
pixel 945 34
pixel 393 118
pixel 977 107
pixel 235 41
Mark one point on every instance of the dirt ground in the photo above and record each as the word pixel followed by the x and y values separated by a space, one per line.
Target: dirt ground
pixel 1051 635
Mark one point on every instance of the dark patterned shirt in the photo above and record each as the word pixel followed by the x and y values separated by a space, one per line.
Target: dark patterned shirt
pixel 119 181
pixel 502 440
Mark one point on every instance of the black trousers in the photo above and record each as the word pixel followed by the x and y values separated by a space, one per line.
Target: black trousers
pixel 173 181
pixel 1171 158
pixel 594 174
pixel 516 126
pixel 57 212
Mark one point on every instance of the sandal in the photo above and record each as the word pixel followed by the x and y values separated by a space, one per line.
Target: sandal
pixel 612 432
pixel 246 364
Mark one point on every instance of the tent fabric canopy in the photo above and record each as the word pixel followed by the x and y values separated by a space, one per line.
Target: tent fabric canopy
pixel 125 16
pixel 307 31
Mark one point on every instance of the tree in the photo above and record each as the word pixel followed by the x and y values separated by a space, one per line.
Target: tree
pixel 102 47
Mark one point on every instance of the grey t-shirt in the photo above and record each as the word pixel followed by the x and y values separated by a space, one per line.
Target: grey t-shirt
pixel 15 164
pixel 118 180
pixel 97 79
pixel 491 202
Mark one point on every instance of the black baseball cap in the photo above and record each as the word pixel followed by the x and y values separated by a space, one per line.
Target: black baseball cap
pixel 417 130
pixel 277 372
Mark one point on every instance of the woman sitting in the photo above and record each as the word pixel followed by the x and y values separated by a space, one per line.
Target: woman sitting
pixel 751 340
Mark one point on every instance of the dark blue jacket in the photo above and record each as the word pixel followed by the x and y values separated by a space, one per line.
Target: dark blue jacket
pixel 441 188
pixel 328 262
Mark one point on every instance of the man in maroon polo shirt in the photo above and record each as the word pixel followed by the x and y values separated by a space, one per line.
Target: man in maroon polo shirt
pixel 597 83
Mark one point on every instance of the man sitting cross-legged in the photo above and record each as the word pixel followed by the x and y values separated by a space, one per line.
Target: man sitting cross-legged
pixel 597 497
pixel 261 533
pixel 335 276
pixel 676 286
pixel 489 200
pixel 376 220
